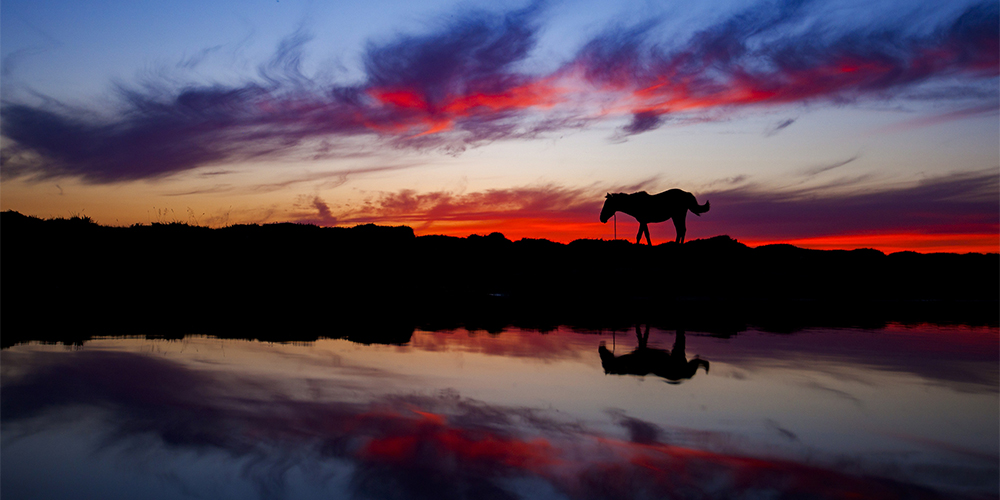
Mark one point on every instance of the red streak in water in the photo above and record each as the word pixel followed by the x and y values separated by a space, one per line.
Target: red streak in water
pixel 430 418
pixel 583 461
pixel 430 434
pixel 396 448
pixel 528 455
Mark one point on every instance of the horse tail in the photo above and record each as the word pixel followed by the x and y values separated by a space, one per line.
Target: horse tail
pixel 699 209
pixel 699 362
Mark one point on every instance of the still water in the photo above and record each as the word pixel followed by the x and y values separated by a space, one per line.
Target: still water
pixel 898 412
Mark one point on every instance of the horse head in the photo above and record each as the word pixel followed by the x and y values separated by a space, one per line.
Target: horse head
pixel 609 208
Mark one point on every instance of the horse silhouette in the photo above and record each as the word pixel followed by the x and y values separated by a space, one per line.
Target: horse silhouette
pixel 672 204
pixel 672 365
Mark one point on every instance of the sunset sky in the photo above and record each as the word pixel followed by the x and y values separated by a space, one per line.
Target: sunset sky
pixel 825 124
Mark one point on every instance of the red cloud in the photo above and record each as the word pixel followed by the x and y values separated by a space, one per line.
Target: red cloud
pixel 416 116
pixel 463 86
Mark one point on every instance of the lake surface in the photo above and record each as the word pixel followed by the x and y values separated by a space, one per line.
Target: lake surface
pixel 897 412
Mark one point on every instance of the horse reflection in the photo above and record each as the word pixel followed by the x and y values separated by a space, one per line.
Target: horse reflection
pixel 672 365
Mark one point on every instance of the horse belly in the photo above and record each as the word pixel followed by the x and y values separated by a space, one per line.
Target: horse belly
pixel 659 215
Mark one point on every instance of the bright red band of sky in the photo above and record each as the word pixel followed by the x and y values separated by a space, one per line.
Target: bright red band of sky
pixel 916 218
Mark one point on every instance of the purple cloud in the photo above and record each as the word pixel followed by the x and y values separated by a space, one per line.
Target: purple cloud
pixel 474 55
pixel 762 57
pixel 778 127
pixel 460 86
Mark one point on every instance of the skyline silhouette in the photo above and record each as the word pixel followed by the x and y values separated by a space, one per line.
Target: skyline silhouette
pixel 271 277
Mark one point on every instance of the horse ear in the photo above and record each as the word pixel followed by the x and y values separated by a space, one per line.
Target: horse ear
pixel 607 195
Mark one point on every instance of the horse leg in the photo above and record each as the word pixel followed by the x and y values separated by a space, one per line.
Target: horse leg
pixel 679 347
pixel 680 226
pixel 645 229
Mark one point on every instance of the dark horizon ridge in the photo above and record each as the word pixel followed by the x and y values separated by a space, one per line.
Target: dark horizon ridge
pixel 86 220
pixel 65 279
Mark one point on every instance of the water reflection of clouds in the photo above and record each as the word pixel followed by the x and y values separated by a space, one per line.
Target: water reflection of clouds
pixel 414 445
pixel 960 358
pixel 401 420
pixel 511 342
pixel 813 384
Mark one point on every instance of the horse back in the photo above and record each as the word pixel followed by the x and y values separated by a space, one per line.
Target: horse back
pixel 662 206
pixel 675 196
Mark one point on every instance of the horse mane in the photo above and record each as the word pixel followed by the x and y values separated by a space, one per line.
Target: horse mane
pixel 625 195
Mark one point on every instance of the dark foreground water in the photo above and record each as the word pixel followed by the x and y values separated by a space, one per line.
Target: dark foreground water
pixel 899 412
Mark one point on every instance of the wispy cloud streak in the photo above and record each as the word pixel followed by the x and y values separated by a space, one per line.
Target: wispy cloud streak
pixel 462 86
pixel 549 205
pixel 825 168
pixel 778 127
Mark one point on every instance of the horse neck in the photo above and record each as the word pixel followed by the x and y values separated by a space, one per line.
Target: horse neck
pixel 626 204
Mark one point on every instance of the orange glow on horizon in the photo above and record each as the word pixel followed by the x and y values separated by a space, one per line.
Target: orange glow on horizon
pixel 568 232
pixel 897 242
pixel 515 229
pixel 568 228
